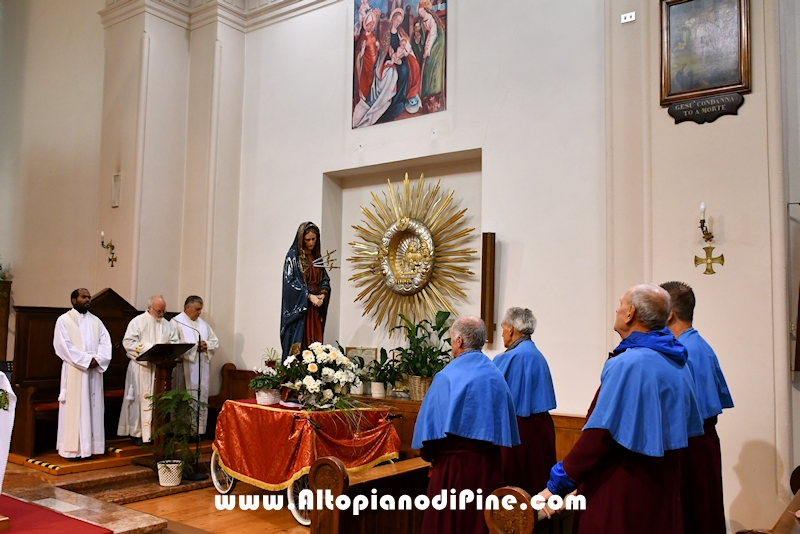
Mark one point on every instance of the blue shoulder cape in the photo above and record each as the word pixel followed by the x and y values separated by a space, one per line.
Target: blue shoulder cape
pixel 528 377
pixel 709 383
pixel 469 398
pixel 647 398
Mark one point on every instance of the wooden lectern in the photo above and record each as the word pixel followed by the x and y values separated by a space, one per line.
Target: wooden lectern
pixel 165 356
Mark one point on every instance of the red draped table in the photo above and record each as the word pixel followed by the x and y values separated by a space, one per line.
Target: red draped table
pixel 271 446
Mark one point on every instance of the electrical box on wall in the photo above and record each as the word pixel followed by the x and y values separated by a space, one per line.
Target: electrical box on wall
pixel 115 187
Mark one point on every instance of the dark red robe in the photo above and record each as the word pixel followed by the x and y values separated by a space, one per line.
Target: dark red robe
pixel 527 465
pixel 701 484
pixel 460 463
pixel 626 492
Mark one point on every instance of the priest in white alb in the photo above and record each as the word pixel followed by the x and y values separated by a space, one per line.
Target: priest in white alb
pixel 81 340
pixel 189 326
pixel 144 331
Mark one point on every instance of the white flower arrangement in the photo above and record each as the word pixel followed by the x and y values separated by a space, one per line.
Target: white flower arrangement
pixel 322 377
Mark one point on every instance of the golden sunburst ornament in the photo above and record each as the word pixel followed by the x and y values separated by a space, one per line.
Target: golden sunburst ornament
pixel 413 243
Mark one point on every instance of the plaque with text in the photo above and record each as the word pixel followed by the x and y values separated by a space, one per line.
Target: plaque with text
pixel 706 109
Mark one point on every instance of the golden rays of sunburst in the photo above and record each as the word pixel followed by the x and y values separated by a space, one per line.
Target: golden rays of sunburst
pixel 410 260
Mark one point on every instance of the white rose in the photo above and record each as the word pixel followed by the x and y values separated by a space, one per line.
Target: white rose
pixel 328 394
pixel 307 356
pixel 312 368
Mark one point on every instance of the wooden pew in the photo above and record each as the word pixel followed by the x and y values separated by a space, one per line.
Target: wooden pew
pixel 36 376
pixel 409 477
pixel 235 385
pixel 527 521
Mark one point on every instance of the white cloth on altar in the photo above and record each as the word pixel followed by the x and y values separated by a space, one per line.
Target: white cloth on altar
pixel 144 331
pixel 6 425
pixel 191 366
pixel 88 425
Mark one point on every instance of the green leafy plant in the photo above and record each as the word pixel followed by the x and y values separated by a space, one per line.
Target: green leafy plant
pixel 384 369
pixel 428 350
pixel 268 377
pixel 176 415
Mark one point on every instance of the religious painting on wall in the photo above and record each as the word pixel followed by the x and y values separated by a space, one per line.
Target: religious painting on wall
pixel 705 48
pixel 399 59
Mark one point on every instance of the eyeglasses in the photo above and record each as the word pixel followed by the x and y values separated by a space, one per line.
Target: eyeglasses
pixel 159 312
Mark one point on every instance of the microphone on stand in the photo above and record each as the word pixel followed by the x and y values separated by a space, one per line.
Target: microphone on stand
pixel 197 475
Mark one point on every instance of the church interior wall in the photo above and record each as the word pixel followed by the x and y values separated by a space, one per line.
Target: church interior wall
pixel 586 181
pixel 538 193
pixel 51 89
pixel 790 64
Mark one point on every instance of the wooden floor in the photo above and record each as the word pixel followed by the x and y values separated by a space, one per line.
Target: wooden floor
pixel 197 509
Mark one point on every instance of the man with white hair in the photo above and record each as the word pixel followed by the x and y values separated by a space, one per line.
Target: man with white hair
pixel 189 326
pixel 527 465
pixel 466 416
pixel 627 462
pixel 143 332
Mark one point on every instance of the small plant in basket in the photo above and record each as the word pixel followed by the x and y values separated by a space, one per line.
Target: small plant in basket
pixel 322 377
pixel 268 379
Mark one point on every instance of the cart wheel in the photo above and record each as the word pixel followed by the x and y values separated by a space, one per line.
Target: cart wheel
pixel 293 496
pixel 223 482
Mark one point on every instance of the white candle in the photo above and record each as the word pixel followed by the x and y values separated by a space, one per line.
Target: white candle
pixel 702 211
pixel 102 235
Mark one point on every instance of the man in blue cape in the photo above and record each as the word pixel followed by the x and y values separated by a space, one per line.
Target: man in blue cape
pixel 467 415
pixel 527 465
pixel 701 480
pixel 627 462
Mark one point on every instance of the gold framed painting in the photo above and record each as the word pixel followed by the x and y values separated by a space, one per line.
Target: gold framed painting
pixel 705 48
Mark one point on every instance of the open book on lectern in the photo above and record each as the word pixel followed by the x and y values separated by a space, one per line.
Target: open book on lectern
pixel 164 352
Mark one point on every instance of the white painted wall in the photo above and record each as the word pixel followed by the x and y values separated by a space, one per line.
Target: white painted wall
pixel 51 89
pixel 527 116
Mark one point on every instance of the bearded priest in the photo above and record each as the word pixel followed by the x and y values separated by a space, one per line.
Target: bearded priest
pixel 82 341
pixel 144 331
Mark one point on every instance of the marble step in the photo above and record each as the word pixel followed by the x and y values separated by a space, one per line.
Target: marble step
pixel 143 490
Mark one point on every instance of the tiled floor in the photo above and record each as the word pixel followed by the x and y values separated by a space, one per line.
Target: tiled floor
pixel 41 488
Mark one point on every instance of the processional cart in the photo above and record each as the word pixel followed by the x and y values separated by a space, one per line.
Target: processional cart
pixel 272 447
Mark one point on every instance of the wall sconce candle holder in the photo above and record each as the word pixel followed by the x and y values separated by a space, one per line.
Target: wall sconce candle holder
pixel 112 258
pixel 708 237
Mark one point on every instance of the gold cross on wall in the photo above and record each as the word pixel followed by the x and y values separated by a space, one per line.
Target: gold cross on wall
pixel 709 260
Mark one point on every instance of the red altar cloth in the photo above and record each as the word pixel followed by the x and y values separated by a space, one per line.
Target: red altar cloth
pixel 270 446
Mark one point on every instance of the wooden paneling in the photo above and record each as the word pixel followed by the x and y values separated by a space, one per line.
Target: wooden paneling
pixel 37 370
pixel 568 430
pixel 568 427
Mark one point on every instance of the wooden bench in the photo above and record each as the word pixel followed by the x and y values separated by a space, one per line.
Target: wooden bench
pixel 409 477
pixel 36 375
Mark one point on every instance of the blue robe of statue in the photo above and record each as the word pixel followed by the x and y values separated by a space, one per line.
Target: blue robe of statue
pixel 295 303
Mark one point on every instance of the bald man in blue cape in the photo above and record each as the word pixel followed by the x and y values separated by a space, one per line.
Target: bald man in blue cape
pixel 627 462
pixel 701 480
pixel 467 415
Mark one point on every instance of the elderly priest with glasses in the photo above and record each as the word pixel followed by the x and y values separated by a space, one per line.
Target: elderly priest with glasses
pixel 143 332
pixel 466 416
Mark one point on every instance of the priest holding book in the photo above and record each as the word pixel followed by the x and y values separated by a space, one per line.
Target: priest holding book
pixel 143 332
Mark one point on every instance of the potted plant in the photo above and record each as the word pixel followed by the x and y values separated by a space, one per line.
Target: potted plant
pixel 175 412
pixel 427 353
pixel 268 379
pixel 361 373
pixel 383 372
